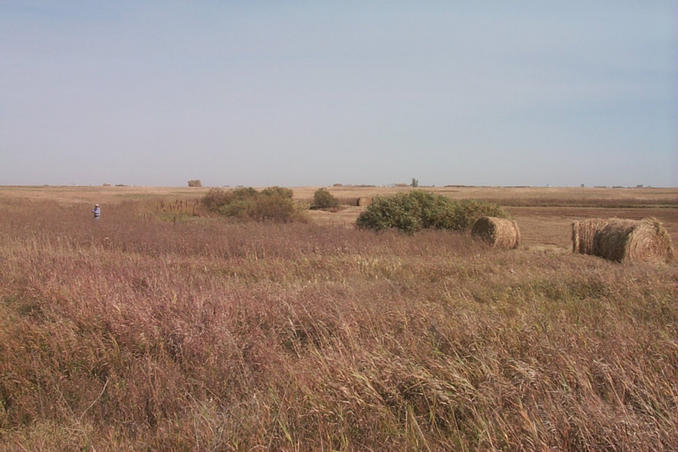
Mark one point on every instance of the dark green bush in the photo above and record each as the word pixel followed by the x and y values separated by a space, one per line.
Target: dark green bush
pixel 323 199
pixel 214 198
pixel 416 210
pixel 469 210
pixel 277 191
pixel 271 204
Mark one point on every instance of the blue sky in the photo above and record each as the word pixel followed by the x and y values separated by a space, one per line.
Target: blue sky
pixel 316 93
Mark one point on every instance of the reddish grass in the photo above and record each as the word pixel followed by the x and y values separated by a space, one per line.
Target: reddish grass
pixel 136 333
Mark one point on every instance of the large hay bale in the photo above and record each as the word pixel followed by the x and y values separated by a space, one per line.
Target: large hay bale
pixel 583 233
pixel 643 240
pixel 623 240
pixel 364 202
pixel 498 232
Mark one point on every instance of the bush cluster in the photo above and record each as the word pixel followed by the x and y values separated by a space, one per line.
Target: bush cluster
pixel 323 199
pixel 271 204
pixel 416 210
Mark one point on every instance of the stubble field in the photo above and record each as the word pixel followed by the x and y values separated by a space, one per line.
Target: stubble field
pixel 152 331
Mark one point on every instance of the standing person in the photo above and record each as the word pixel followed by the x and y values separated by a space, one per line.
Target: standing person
pixel 96 211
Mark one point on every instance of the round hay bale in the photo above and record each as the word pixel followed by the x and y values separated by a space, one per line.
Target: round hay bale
pixel 498 232
pixel 632 241
pixel 364 202
pixel 583 233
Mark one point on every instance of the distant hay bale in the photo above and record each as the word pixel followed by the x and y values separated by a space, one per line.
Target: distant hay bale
pixel 364 202
pixel 498 232
pixel 621 240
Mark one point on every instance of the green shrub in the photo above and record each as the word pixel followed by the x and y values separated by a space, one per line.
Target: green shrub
pixel 416 210
pixel 277 191
pixel 214 198
pixel 469 210
pixel 271 204
pixel 323 199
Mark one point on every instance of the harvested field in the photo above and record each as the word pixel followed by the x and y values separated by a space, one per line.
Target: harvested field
pixel 364 201
pixel 528 196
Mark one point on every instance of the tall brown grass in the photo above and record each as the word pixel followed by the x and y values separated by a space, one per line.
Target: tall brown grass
pixel 134 333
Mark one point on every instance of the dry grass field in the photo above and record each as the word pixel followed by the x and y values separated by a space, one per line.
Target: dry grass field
pixel 144 332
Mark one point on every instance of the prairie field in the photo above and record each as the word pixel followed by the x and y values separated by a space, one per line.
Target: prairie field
pixel 157 329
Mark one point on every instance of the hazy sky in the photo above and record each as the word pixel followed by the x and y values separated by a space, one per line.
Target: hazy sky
pixel 316 93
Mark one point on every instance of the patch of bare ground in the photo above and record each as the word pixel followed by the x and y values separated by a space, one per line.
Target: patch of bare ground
pixel 345 216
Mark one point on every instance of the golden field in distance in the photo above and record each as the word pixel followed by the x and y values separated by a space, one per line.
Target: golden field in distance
pixel 544 214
